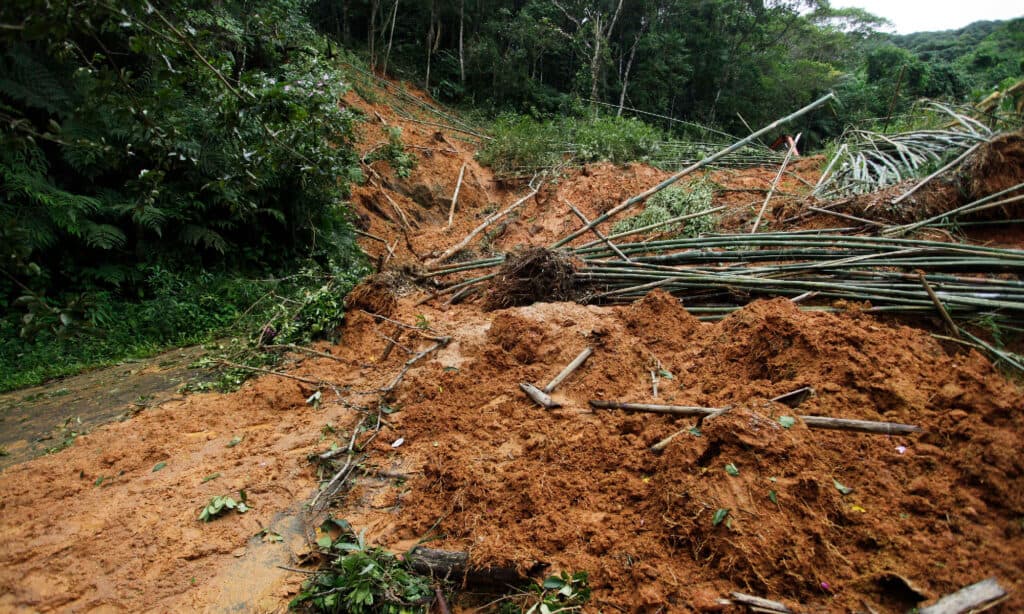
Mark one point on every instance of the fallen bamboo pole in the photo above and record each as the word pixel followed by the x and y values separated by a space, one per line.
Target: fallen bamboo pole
pixel 568 370
pixel 472 235
pixel 629 202
pixel 538 396
pixel 455 197
pixel 775 184
pixel 974 598
pixel 814 422
pixel 945 168
pixel 953 328
pixel 597 232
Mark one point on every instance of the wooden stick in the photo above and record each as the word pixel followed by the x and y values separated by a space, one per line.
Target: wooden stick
pixel 304 380
pixel 597 232
pixel 455 197
pixel 974 598
pixel 369 236
pixel 794 398
pixel 953 329
pixel 539 396
pixel 469 238
pixel 859 426
pixel 661 445
pixel 568 370
pixel 442 603
pixel 299 348
pixel 455 566
pixel 441 342
pixel 775 183
pixel 761 603
pixel 814 422
pixel 629 202
pixel 655 225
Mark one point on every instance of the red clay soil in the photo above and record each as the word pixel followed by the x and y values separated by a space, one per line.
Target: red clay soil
pixel 491 473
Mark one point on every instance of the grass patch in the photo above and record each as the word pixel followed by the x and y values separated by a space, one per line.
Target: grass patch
pixel 675 201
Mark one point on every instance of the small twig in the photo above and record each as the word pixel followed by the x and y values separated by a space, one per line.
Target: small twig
pixel 311 572
pixel 305 380
pixel 299 348
pixel 654 383
pixel 483 226
pixel 392 342
pixel 369 236
pixel 953 328
pixel 455 197
pixel 442 603
pixel 568 370
pixel 441 342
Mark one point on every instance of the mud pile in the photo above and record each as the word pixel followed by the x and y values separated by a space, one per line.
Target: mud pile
pixel 516 485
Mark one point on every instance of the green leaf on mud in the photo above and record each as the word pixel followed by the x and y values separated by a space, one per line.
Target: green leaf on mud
pixel 235 441
pixel 842 489
pixel 159 466
pixel 719 516
pixel 212 476
pixel 773 497
pixel 324 541
pixel 732 470
pixel 786 421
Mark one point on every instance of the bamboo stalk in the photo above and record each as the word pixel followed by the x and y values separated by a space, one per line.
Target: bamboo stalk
pixel 538 396
pixel 775 184
pixel 568 370
pixel 814 422
pixel 597 232
pixel 953 329
pixel 974 598
pixel 455 196
pixel 942 170
pixel 629 202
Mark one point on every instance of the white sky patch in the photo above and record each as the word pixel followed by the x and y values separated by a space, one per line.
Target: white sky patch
pixel 930 15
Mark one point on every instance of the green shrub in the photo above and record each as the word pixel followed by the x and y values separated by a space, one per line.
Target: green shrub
pixel 675 201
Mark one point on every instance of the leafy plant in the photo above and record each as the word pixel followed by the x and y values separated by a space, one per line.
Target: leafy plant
pixel 564 592
pixel 362 579
pixel 672 202
pixel 222 503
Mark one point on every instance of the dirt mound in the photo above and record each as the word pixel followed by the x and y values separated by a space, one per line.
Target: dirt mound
pixel 535 274
pixel 996 166
pixel 376 294
pixel 514 484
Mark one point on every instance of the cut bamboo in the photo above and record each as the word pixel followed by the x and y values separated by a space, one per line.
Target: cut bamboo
pixel 568 370
pixel 814 422
pixel 455 196
pixel 538 396
pixel 974 598
pixel 629 202
pixel 596 232
pixel 775 184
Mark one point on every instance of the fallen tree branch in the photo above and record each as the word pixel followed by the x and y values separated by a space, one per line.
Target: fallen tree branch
pixel 441 342
pixel 455 566
pixel 451 251
pixel 299 348
pixel 304 380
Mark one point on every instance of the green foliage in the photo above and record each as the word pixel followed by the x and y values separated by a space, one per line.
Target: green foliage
pixel 564 592
pixel 221 504
pixel 394 153
pixel 143 146
pixel 362 579
pixel 675 201
pixel 522 144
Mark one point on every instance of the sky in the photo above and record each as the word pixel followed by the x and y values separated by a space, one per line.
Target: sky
pixel 927 15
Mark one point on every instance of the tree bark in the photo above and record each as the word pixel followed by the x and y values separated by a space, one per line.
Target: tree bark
pixel 629 66
pixel 372 35
pixel 391 38
pixel 462 57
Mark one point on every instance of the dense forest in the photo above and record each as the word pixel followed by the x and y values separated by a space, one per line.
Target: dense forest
pixel 167 166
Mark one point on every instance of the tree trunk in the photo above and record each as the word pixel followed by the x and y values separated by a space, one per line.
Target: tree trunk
pixel 430 43
pixel 391 38
pixel 372 37
pixel 462 56
pixel 629 66
pixel 346 33
pixel 595 62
